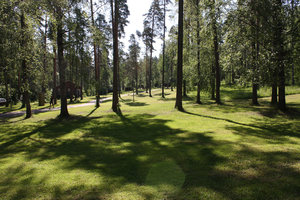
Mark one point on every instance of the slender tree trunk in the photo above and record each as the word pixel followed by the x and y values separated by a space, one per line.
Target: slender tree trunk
pixel 213 81
pixel 99 57
pixel 254 76
pixel 115 20
pixel 293 41
pixel 6 89
pixel 147 81
pixel 136 79
pixel 164 56
pixel 178 103
pixel 26 97
pixel 198 101
pixel 54 76
pixel 95 61
pixel 274 99
pixel 81 78
pixel 42 95
pixel 61 64
pixel 280 55
pixel 172 69
pixel 255 57
pixel 151 61
pixel 184 88
pixel 217 57
pixel 119 82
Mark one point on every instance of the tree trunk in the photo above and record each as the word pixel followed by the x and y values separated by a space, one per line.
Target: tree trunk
pixel 293 41
pixel 95 61
pixel 213 81
pixel 26 97
pixel 136 79
pixel 198 101
pixel 178 103
pixel 151 62
pixel 280 55
pixel 115 21
pixel 217 57
pixel 164 58
pixel 274 90
pixel 172 69
pixel 119 83
pixel 255 57
pixel 254 78
pixel 42 97
pixel 61 64
pixel 54 76
pixel 99 61
pixel 147 82
pixel 6 89
pixel 184 88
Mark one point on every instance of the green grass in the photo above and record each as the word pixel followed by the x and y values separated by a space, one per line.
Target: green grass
pixel 152 151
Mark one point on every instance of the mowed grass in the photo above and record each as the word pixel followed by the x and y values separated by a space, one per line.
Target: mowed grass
pixel 152 151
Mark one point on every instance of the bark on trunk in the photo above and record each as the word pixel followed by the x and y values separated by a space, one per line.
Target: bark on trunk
pixel 293 41
pixel 164 58
pixel 213 82
pixel 280 56
pixel 151 53
pixel 274 99
pixel 172 69
pixel 217 58
pixel 42 95
pixel 136 79
pixel 115 17
pixel 95 61
pixel 54 76
pixel 6 90
pixel 61 65
pixel 26 97
pixel 178 103
pixel 184 88
pixel 198 101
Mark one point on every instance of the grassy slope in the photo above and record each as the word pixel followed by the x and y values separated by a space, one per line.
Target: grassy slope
pixel 232 151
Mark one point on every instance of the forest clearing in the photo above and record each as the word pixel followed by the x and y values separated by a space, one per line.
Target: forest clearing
pixel 150 100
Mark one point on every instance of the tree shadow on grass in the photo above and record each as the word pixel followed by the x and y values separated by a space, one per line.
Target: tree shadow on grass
pixel 159 94
pixel 278 127
pixel 119 151
pixel 136 104
pixel 123 148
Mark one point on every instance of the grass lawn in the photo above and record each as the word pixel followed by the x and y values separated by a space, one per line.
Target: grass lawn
pixel 152 151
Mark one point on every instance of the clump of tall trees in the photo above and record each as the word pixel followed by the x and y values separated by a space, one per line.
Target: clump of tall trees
pixel 45 44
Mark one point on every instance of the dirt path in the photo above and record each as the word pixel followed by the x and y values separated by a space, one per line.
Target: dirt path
pixel 36 111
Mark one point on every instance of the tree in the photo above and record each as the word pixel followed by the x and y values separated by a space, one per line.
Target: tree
pixel 214 14
pixel 97 72
pixel 115 21
pixel 134 51
pixel 178 103
pixel 152 27
pixel 165 2
pixel 24 44
pixel 279 50
pixel 119 14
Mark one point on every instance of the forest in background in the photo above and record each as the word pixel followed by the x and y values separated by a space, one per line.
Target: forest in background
pixel 247 43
